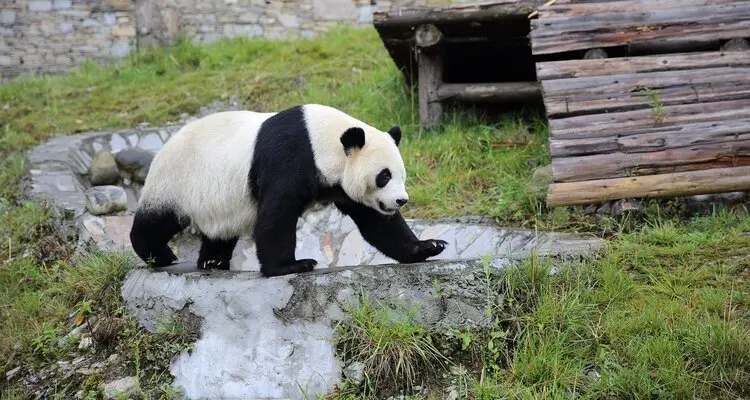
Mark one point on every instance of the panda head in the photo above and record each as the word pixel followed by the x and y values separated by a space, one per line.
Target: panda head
pixel 374 174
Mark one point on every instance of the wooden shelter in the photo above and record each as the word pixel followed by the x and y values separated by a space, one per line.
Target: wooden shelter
pixel 656 108
pixel 645 98
pixel 449 52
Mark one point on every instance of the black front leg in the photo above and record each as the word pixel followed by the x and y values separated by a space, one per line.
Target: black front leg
pixel 276 239
pixel 390 234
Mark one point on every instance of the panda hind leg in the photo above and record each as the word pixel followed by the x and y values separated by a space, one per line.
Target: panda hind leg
pixel 216 253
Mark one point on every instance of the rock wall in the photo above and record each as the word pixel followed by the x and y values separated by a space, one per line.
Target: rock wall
pixel 50 36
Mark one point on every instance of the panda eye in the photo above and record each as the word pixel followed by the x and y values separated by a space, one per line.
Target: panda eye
pixel 383 177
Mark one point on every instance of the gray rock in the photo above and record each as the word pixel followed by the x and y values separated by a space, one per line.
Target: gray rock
pixel 140 175
pixel 101 200
pixel 340 10
pixel 103 170
pixel 151 142
pixel 12 373
pixel 626 206
pixel 120 49
pixel 117 143
pixel 134 159
pixel 262 337
pixel 62 4
pixel 86 342
pixel 40 5
pixel 122 387
pixel 7 17
pixel 605 209
pixel 540 181
pixel 355 372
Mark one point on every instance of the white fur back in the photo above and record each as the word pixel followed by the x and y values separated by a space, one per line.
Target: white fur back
pixel 203 171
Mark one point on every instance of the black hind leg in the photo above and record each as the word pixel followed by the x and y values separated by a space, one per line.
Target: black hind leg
pixel 151 231
pixel 216 253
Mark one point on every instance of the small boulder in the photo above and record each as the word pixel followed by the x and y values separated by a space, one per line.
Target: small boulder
pixel 122 387
pixel 626 206
pixel 101 200
pixel 355 371
pixel 103 170
pixel 134 159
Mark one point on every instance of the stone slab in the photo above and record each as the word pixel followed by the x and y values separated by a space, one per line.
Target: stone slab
pixel 268 337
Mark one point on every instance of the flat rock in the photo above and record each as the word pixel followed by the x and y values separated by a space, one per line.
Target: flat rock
pixel 122 387
pixel 101 200
pixel 262 337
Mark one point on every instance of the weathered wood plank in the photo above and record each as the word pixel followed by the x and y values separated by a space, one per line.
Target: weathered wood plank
pixel 430 67
pixel 616 102
pixel 613 165
pixel 717 180
pixel 644 64
pixel 654 139
pixel 490 92
pixel 577 8
pixel 626 82
pixel 478 12
pixel 598 23
pixel 569 33
pixel 615 123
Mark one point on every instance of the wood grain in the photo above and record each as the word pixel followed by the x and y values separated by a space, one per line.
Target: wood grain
pixel 629 65
pixel 654 139
pixel 490 92
pixel 613 102
pixel 620 164
pixel 602 25
pixel 622 122
pixel 717 180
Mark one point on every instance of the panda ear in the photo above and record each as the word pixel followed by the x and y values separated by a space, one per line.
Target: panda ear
pixel 353 138
pixel 395 133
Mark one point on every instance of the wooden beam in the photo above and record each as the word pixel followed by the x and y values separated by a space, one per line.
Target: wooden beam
pixel 717 180
pixel 563 32
pixel 491 12
pixel 653 139
pixel 606 124
pixel 490 92
pixel 637 65
pixel 430 70
pixel 620 164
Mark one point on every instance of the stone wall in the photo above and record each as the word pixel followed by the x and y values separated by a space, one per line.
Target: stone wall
pixel 53 35
pixel 48 36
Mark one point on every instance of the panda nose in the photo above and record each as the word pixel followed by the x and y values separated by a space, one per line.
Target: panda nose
pixel 401 202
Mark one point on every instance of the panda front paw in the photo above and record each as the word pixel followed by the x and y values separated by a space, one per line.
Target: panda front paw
pixel 297 267
pixel 425 249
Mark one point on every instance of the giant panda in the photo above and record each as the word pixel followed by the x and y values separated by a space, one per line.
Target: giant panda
pixel 253 174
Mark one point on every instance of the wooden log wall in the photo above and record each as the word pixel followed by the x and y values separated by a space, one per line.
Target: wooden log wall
pixel 427 44
pixel 645 126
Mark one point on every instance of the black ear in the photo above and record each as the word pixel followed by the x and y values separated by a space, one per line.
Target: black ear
pixel 395 133
pixel 353 138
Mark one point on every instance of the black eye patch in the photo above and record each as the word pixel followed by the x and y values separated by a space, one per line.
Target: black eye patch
pixel 383 177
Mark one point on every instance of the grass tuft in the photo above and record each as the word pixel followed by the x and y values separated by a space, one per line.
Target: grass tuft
pixel 394 349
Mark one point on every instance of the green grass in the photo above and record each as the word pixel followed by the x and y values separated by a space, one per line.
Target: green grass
pixel 393 349
pixel 663 314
